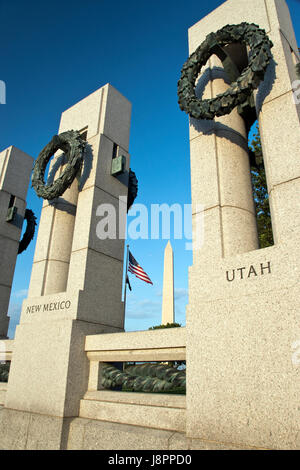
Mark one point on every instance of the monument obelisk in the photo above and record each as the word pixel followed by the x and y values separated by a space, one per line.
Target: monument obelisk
pixel 168 287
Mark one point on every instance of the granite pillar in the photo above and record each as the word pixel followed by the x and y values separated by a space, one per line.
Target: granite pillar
pixel 76 281
pixel 15 169
pixel 243 312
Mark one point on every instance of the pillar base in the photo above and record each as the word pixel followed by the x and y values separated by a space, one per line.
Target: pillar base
pixel 20 430
pixel 243 350
pixel 49 371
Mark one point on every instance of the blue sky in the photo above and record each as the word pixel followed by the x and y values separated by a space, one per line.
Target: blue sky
pixel 56 53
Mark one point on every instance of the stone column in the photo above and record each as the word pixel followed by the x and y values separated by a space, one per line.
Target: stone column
pixel 76 282
pixel 15 169
pixel 243 325
pixel 168 287
pixel 220 175
pixel 279 115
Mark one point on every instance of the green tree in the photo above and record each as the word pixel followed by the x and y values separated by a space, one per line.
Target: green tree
pixel 260 192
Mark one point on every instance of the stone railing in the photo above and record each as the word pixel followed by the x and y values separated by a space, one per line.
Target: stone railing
pixel 6 350
pixel 162 411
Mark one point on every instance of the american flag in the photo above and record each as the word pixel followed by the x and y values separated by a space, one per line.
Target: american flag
pixel 137 270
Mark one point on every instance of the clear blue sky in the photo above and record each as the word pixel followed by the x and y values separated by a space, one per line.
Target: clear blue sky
pixel 56 53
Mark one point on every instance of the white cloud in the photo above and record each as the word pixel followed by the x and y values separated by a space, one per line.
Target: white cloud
pixel 179 293
pixel 20 293
pixel 146 308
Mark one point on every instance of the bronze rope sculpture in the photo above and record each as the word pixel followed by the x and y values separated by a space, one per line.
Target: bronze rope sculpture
pixel 144 378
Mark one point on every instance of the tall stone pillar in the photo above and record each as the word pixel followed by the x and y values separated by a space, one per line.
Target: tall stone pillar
pixel 220 174
pixel 168 287
pixel 76 281
pixel 279 117
pixel 243 320
pixel 15 169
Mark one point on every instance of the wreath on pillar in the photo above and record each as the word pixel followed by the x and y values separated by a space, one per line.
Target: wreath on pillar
pixel 240 89
pixel 73 146
pixel 29 232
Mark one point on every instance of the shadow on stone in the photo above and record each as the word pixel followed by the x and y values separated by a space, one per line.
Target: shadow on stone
pixel 87 166
pixel 208 127
pixel 85 173
pixel 62 205
pixel 266 86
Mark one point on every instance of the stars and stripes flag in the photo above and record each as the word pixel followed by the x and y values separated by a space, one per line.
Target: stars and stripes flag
pixel 137 270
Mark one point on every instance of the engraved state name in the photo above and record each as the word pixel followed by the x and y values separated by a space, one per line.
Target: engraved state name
pixel 249 272
pixel 65 304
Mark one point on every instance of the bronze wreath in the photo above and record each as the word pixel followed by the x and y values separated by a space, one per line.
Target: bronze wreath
pixel 237 93
pixel 132 189
pixel 71 143
pixel 29 232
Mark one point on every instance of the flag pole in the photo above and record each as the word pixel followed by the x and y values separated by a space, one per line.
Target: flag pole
pixel 125 291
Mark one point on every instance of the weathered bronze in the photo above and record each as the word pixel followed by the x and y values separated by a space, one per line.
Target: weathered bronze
pixel 72 144
pixel 145 378
pixel 242 86
pixel 118 165
pixel 29 232
pixel 132 189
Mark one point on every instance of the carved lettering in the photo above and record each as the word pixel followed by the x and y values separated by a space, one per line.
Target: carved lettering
pixel 252 271
pixel 233 275
pixel 241 270
pixel 268 267
pixel 65 304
